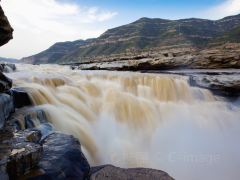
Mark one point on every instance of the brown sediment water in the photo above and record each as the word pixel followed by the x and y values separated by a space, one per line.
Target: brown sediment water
pixel 131 119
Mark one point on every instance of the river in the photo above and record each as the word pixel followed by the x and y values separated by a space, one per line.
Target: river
pixel 130 119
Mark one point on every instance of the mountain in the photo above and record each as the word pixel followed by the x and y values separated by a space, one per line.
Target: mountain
pixel 144 33
pixel 8 60
pixel 55 52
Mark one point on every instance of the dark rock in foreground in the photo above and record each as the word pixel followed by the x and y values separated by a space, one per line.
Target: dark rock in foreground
pixel 6 108
pixel 5 83
pixel 5 29
pixel 20 97
pixel 7 67
pixel 114 173
pixel 62 158
pixel 27 118
pixel 19 152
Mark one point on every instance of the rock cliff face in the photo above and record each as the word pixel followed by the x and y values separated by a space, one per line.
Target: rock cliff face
pixel 5 28
pixel 219 57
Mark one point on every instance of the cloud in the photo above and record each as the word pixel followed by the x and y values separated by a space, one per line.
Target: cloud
pixel 40 23
pixel 226 8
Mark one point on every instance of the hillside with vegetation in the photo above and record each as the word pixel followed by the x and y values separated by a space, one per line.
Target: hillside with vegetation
pixel 144 34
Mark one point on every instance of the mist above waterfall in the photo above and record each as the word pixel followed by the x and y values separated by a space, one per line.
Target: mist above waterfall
pixel 139 120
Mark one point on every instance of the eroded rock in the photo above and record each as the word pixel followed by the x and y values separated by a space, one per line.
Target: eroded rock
pixel 19 153
pixel 5 83
pixel 217 57
pixel 6 108
pixel 7 67
pixel 62 159
pixel 26 118
pixel 20 97
pixel 226 85
pixel 109 172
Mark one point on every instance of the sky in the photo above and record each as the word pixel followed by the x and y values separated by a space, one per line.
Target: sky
pixel 38 24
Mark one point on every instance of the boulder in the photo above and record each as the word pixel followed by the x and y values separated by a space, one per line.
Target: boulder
pixel 20 152
pixel 1 67
pixel 6 108
pixel 20 97
pixel 7 67
pixel 5 83
pixel 224 85
pixel 26 118
pixel 110 172
pixel 5 29
pixel 62 159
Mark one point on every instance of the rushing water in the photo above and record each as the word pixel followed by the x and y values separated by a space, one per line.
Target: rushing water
pixel 140 120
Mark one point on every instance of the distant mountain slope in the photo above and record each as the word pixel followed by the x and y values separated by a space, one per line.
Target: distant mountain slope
pixel 230 36
pixel 143 34
pixel 8 60
pixel 54 53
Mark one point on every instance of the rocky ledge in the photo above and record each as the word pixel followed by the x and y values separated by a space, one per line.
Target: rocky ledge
pixel 223 82
pixel 217 57
pixel 7 67
pixel 224 85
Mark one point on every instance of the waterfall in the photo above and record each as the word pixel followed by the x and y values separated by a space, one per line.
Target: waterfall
pixel 133 119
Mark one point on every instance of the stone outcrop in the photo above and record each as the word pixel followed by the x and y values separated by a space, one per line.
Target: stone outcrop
pixel 20 152
pixel 29 117
pixel 62 158
pixel 20 97
pixel 6 108
pixel 225 85
pixel 110 172
pixel 217 57
pixel 31 150
pixel 7 67
pixel 225 56
pixel 5 28
pixel 222 82
pixel 5 83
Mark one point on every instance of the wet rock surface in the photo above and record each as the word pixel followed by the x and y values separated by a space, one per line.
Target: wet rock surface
pixel 6 108
pixel 5 83
pixel 222 82
pixel 27 118
pixel 7 67
pixel 62 158
pixel 5 28
pixel 19 153
pixel 225 85
pixel 20 97
pixel 39 152
pixel 109 172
